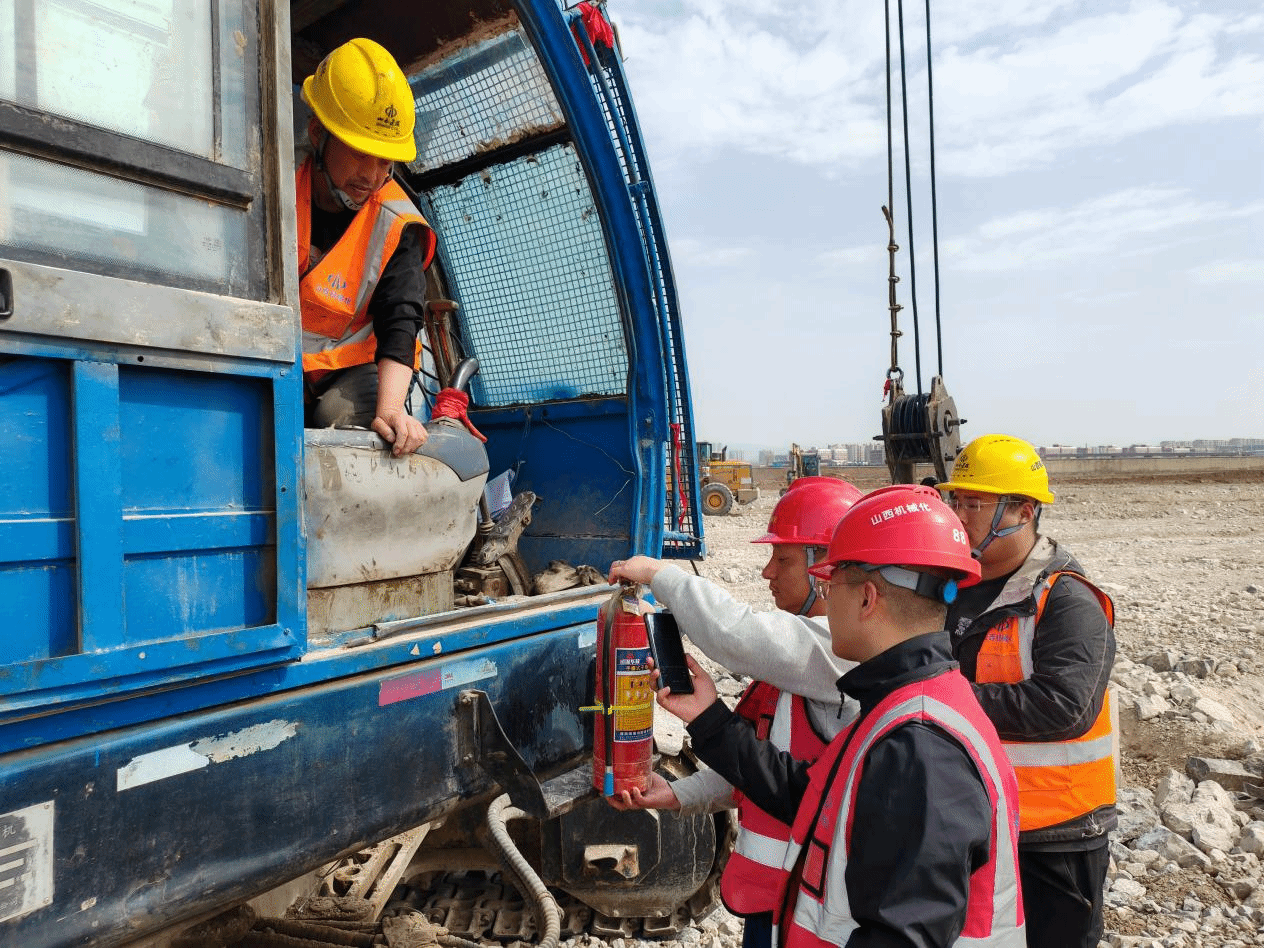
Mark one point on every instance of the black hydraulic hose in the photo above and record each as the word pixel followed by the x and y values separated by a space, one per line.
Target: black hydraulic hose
pixel 908 186
pixel 934 212
pixel 890 137
pixel 498 815
pixel 888 211
pixel 608 689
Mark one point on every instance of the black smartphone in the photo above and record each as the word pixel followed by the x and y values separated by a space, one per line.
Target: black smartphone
pixel 668 652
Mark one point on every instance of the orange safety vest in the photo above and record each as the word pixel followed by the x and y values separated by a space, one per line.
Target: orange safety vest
pixel 1057 780
pixel 819 913
pixel 753 872
pixel 334 293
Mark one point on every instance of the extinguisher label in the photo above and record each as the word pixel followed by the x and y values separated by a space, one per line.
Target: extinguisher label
pixel 634 695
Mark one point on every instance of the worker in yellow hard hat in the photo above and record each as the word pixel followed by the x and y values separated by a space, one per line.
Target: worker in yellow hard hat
pixel 1036 639
pixel 363 247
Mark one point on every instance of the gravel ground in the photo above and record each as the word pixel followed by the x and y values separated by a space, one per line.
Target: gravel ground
pixel 1183 558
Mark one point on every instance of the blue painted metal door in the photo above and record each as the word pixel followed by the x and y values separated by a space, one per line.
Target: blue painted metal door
pixel 149 431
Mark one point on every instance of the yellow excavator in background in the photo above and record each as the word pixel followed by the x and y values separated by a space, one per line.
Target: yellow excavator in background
pixel 723 481
pixel 803 463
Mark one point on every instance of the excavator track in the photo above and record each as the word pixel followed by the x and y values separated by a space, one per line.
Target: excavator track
pixel 364 894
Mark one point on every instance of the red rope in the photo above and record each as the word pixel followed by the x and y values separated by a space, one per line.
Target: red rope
pixel 680 481
pixel 452 403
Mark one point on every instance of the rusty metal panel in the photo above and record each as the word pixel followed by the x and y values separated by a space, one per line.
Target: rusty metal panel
pixel 92 308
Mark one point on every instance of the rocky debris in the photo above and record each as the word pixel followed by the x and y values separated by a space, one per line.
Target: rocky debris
pixel 1150 692
pixel 720 929
pixel 1230 774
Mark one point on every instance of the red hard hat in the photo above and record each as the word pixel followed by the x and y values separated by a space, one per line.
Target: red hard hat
pixel 810 511
pixel 906 525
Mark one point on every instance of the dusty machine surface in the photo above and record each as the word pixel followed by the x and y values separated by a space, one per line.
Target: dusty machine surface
pixel 724 482
pixel 249 667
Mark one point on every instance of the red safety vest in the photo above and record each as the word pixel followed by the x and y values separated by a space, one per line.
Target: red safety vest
pixel 1057 780
pixel 334 293
pixel 819 914
pixel 753 872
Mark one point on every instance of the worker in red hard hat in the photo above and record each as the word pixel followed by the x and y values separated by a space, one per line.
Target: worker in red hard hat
pixel 905 829
pixel 793 700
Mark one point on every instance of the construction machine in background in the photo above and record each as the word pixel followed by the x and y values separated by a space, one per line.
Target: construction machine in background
pixel 802 464
pixel 724 482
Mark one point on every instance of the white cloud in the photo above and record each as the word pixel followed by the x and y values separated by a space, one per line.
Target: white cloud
pixel 1017 82
pixel 864 255
pixel 1229 271
pixel 1134 221
pixel 1093 83
pixel 688 252
pixel 734 76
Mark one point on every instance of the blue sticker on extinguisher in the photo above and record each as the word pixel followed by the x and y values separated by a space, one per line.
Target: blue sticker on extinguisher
pixel 634 695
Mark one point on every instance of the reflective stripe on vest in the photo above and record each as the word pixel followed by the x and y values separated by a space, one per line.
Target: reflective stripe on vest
pixel 1057 780
pixel 752 874
pixel 821 914
pixel 334 293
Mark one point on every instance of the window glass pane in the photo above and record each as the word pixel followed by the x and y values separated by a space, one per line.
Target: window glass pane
pixel 144 68
pixel 104 221
pixel 8 66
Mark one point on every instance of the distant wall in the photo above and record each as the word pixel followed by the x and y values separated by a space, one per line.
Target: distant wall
pixel 869 477
pixel 1176 465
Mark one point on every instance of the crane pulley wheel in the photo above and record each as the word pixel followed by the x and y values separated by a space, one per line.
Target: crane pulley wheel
pixel 921 429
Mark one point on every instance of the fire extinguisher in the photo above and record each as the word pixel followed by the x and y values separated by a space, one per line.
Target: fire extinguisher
pixel 625 695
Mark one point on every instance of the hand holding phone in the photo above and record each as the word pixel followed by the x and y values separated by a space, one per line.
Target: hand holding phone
pixel 668 652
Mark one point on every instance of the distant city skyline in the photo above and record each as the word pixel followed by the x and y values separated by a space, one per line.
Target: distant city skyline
pixel 1250 446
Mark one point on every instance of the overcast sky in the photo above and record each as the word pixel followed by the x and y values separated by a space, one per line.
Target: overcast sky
pixel 1100 170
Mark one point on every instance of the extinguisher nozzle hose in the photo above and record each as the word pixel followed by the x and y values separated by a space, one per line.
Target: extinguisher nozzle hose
pixel 607 788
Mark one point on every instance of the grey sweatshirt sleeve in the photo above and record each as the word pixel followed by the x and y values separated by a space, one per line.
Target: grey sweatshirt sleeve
pixel 703 792
pixel 789 652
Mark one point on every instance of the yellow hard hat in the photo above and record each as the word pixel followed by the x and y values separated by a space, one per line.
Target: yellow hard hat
pixel 999 464
pixel 360 95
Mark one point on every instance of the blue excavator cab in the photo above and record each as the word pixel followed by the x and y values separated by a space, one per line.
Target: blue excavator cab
pixel 236 649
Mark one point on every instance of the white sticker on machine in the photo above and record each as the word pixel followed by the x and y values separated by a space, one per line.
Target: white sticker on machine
pixel 26 860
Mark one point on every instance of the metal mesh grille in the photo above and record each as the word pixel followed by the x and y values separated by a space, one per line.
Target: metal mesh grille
pixel 525 252
pixel 503 80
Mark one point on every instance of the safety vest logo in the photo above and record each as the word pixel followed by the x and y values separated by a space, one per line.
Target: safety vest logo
pixel 335 289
